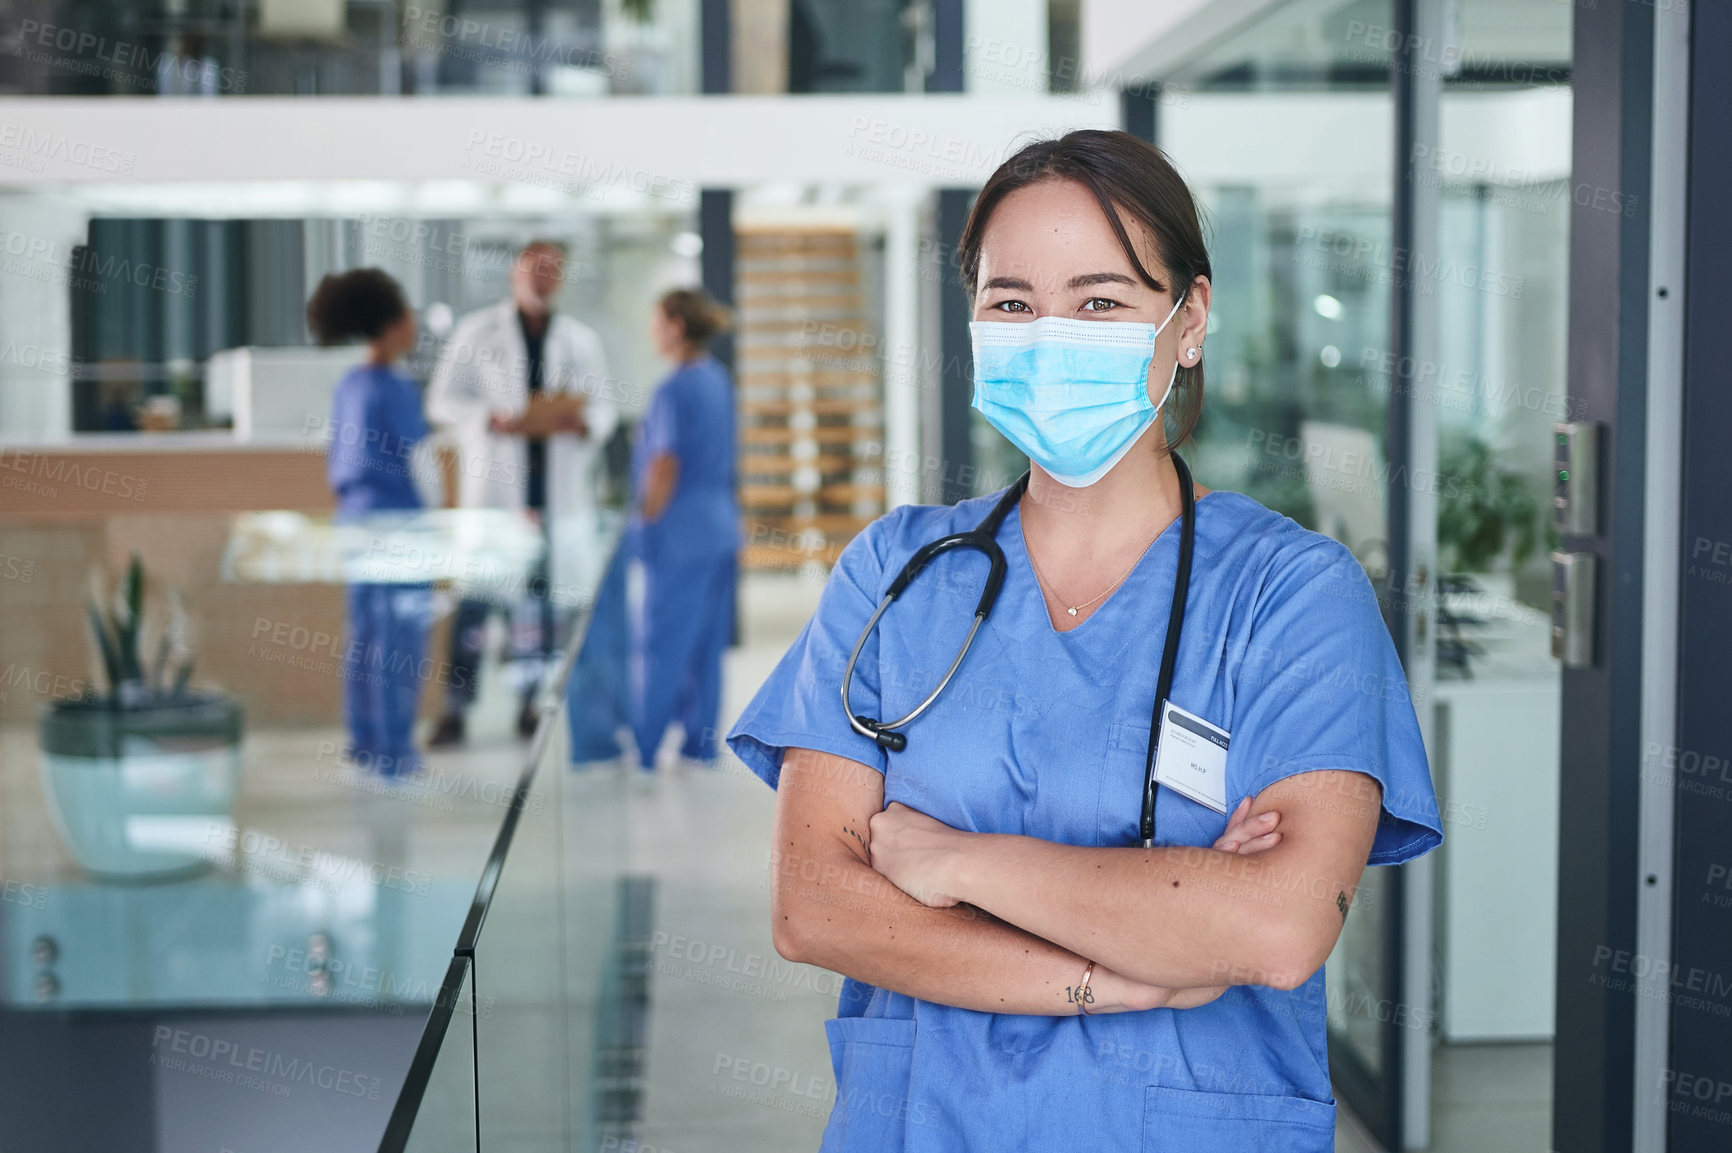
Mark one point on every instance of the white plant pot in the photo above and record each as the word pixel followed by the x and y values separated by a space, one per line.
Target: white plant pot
pixel 142 793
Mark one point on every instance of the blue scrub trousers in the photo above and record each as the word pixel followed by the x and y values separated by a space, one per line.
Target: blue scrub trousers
pixel 598 701
pixel 382 666
pixel 683 627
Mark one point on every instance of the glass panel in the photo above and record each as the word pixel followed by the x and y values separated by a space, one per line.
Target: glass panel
pixel 853 45
pixel 186 303
pixel 1296 410
pixel 1506 196
pixel 557 1044
pixel 294 48
pixel 240 927
pixel 1327 45
pixel 521 972
pixel 444 1122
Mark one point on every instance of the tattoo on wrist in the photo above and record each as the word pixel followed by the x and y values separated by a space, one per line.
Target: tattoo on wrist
pixel 1343 904
pixel 857 837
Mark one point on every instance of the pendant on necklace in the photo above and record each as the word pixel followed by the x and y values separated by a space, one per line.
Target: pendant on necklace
pixel 1072 612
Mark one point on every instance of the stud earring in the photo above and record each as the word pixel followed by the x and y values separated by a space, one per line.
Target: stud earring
pixel 1191 354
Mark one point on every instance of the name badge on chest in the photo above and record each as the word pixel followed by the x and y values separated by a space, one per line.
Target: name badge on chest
pixel 1192 757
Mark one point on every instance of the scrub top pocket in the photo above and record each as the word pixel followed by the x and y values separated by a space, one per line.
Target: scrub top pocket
pixel 873 1058
pixel 1178 819
pixel 1187 1121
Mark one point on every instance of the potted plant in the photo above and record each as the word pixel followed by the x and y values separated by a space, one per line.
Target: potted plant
pixel 141 781
pixel 1484 511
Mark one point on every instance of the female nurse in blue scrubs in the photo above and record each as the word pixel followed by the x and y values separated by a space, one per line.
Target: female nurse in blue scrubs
pixel 1022 972
pixel 376 423
pixel 686 530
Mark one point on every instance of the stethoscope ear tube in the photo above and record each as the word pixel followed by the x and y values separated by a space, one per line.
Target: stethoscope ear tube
pixel 981 539
pixel 1170 650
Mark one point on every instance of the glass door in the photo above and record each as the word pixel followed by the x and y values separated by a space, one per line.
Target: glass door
pixel 1300 210
pixel 1503 194
pixel 1441 986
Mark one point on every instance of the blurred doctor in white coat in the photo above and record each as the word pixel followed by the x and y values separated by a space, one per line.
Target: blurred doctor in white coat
pixel 495 358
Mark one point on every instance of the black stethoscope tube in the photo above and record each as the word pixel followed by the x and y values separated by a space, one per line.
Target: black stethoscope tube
pixel 1170 650
pixel 983 539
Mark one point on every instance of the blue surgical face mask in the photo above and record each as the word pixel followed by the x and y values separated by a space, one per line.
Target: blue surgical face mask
pixel 1073 395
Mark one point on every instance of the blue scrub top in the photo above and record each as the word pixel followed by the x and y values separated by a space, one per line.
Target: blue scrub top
pixel 376 422
pixel 1044 733
pixel 691 416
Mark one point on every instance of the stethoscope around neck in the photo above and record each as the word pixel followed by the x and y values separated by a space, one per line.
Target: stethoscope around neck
pixel 983 539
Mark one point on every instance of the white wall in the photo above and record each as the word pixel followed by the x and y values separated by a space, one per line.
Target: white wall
pixel 37 234
pixel 1004 47
pixel 660 147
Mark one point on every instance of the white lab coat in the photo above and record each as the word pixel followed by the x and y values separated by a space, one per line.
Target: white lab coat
pixel 483 369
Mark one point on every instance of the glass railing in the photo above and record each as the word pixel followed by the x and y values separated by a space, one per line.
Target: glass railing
pixel 228 925
pixel 541 987
pixel 435 1112
pixel 430 48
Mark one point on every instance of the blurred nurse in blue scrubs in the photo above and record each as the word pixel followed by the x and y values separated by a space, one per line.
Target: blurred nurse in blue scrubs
pixel 376 422
pixel 686 530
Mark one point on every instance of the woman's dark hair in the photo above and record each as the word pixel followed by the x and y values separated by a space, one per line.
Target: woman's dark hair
pixel 1127 176
pixel 361 303
pixel 698 311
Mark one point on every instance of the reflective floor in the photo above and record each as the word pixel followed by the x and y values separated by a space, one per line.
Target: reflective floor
pixel 718 1047
pixel 712 1011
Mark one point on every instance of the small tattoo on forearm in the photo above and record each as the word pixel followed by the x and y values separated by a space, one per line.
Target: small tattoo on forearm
pixel 1342 904
pixel 857 837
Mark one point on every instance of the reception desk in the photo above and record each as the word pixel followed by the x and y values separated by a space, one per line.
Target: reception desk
pixel 87 504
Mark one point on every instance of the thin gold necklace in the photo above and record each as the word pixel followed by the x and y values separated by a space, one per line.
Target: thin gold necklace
pixel 1072 609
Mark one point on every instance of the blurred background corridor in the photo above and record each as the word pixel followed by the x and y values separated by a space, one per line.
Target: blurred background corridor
pixel 367 637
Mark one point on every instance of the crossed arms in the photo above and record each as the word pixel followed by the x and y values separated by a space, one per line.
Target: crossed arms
pixel 1008 924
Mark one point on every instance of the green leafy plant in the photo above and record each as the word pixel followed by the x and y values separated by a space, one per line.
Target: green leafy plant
pixel 1482 509
pixel 119 634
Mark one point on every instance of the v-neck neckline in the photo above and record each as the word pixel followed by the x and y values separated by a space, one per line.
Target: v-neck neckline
pixel 1142 558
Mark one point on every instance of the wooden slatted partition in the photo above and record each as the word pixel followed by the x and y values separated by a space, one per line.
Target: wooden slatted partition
pixel 810 405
